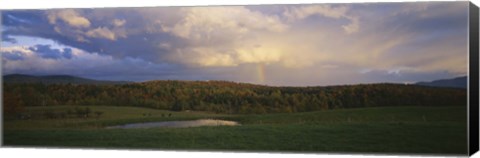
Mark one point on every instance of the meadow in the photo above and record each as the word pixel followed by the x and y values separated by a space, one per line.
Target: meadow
pixel 404 129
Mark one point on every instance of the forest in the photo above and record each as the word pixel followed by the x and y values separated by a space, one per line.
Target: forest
pixel 227 97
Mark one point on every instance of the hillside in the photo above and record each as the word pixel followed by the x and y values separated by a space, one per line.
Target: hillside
pixel 459 82
pixel 54 79
pixel 231 97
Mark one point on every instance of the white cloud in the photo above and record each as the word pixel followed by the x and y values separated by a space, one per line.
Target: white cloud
pixel 210 23
pixel 231 36
pixel 221 36
pixel 300 13
pixel 69 16
pixel 33 62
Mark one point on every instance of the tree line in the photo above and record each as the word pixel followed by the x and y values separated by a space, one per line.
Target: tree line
pixel 229 97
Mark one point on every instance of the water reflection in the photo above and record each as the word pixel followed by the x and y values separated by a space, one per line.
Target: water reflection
pixel 178 124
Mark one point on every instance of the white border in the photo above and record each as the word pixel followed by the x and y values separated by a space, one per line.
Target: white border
pixel 82 153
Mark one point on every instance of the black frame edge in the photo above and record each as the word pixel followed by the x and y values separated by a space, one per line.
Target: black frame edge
pixel 473 76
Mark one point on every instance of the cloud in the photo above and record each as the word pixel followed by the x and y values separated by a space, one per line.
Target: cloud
pixel 300 13
pixel 101 32
pixel 45 51
pixel 311 44
pixel 98 67
pixel 214 36
pixel 15 53
pixel 118 22
pixel 69 16
pixel 8 39
pixel 38 60
pixel 67 53
pixel 208 24
pixel 259 55
pixel 209 58
pixel 353 26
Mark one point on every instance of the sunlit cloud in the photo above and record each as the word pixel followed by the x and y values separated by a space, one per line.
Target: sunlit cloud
pixel 101 32
pixel 68 16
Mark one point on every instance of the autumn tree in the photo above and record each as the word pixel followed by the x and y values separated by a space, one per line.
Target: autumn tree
pixel 12 105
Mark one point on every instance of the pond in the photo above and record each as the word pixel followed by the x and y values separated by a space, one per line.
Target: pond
pixel 177 124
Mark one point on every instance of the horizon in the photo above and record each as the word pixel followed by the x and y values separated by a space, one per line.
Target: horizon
pixel 339 44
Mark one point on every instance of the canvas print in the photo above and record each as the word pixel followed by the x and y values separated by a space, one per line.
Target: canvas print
pixel 309 78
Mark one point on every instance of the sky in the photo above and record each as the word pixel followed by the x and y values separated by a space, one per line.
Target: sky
pixel 278 45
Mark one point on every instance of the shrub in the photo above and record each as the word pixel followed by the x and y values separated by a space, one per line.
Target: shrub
pixel 98 113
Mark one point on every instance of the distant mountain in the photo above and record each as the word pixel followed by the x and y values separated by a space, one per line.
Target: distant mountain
pixel 55 79
pixel 459 82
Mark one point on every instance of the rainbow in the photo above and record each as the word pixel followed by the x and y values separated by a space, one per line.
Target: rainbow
pixel 261 72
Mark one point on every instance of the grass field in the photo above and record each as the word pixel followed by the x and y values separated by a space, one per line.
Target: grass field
pixel 421 130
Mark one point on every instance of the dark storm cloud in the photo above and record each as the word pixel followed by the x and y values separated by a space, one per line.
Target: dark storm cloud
pixel 132 38
pixel 441 17
pixel 34 23
pixel 45 51
pixel 8 39
pixel 13 56
pixel 67 53
pixel 37 60
pixel 25 22
pixel 22 17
